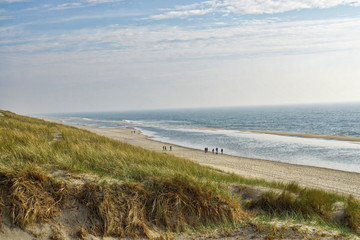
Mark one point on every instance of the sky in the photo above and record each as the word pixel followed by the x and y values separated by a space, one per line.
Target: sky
pixel 110 55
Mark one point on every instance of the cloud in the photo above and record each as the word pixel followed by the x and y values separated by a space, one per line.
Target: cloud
pixel 6 18
pixel 150 43
pixel 66 6
pixel 181 14
pixel 12 1
pixel 102 1
pixel 248 7
pixel 72 5
pixel 3 17
pixel 274 6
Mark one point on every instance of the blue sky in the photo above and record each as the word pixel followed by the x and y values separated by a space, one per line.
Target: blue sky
pixel 91 55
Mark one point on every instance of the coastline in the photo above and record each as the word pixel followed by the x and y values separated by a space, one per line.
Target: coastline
pixel 341 182
pixel 288 134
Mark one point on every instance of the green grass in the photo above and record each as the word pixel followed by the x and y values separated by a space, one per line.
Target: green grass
pixel 171 193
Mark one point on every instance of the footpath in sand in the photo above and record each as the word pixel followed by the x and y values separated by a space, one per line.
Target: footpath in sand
pixel 314 177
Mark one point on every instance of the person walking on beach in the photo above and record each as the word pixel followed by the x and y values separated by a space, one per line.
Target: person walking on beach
pixel 213 151
pixel 170 148
pixel 222 151
pixel 217 150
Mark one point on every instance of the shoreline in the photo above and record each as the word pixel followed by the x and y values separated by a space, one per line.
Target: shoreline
pixel 288 134
pixel 338 181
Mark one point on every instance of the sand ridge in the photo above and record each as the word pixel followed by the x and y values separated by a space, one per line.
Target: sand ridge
pixel 332 180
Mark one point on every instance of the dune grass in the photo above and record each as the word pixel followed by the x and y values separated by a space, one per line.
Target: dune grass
pixel 152 191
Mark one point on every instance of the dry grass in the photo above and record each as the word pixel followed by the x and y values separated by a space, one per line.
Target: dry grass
pixel 56 234
pixel 2 204
pixel 313 203
pixel 137 209
pixel 118 210
pixel 28 197
pixel 352 214
pixel 82 233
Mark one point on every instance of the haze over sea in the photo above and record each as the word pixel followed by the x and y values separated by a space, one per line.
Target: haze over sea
pixel 219 127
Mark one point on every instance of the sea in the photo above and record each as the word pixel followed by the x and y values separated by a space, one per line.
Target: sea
pixel 225 128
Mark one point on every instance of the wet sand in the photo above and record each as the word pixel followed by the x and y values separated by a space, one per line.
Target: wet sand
pixel 332 180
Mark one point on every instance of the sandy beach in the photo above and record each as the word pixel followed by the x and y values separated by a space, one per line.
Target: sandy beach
pixel 332 180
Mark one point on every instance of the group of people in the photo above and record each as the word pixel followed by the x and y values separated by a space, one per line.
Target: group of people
pixel 164 148
pixel 133 132
pixel 214 150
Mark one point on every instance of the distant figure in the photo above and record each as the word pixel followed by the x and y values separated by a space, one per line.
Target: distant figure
pixel 222 151
pixel 206 150
pixel 212 150
pixel 170 148
pixel 165 148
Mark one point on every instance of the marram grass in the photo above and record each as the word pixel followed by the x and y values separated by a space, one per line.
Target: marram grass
pixel 147 191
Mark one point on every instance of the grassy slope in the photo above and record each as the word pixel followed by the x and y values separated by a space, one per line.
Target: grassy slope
pixel 154 190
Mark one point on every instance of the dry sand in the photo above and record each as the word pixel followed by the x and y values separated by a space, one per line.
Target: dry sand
pixel 332 180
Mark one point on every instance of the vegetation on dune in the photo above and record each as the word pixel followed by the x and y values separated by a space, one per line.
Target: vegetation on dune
pixel 136 192
pixel 352 214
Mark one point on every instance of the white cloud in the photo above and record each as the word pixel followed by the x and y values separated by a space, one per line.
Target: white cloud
pixel 249 7
pixel 66 6
pixel 12 1
pixel 102 1
pixel 44 6
pixel 181 14
pixel 150 43
pixel 274 6
pixel 6 18
pixel 3 17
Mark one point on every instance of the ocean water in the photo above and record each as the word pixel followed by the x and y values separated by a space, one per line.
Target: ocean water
pixel 219 127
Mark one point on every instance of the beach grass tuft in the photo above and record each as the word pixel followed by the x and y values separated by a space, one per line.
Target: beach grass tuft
pixel 311 202
pixel 135 209
pixel 28 196
pixel 352 214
